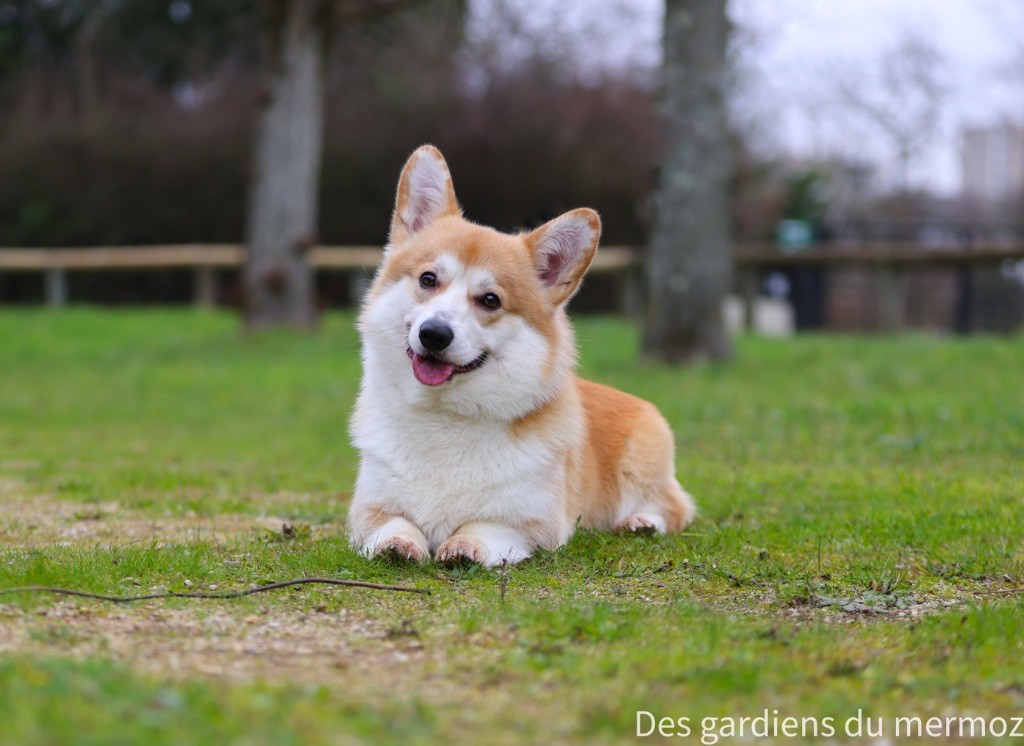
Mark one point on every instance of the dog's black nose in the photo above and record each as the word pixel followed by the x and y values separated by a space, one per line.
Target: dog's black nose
pixel 435 335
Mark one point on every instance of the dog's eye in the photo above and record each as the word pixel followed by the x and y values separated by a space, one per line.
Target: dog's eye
pixel 428 280
pixel 490 301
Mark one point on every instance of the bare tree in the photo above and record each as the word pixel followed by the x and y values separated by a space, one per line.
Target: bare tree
pixel 289 142
pixel 282 213
pixel 903 100
pixel 553 37
pixel 1007 17
pixel 689 264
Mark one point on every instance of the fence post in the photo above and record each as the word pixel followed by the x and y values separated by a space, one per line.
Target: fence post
pixel 56 287
pixel 748 293
pixel 633 291
pixel 205 286
pixel 963 321
pixel 891 298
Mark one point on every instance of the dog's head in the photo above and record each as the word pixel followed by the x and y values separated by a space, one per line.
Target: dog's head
pixel 465 317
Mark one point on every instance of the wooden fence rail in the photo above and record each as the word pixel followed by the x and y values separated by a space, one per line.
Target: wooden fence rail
pixel 205 260
pixel 890 262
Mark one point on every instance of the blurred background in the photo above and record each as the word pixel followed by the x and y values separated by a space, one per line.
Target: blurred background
pixel 875 178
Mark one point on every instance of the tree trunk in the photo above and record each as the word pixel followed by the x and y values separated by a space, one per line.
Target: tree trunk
pixel 689 263
pixel 282 216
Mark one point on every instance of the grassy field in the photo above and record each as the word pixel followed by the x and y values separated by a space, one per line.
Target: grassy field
pixel 859 547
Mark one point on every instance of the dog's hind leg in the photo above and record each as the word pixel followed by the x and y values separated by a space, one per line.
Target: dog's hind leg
pixel 651 502
pixel 664 508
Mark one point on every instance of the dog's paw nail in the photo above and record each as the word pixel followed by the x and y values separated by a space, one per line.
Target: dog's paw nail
pixel 637 524
pixel 400 549
pixel 460 552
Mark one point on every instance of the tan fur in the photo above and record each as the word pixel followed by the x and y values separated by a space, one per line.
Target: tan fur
pixel 627 450
pixel 631 450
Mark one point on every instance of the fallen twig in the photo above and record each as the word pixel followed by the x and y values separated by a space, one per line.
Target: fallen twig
pixel 205 594
pixel 999 592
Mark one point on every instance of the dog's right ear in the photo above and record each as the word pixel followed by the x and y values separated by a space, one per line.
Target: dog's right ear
pixel 425 193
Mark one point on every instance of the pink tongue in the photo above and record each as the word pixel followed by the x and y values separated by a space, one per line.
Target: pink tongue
pixel 430 371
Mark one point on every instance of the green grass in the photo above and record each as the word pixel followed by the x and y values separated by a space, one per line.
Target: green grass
pixel 859 546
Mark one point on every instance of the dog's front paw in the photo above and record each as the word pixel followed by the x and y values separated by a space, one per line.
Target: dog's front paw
pixel 401 548
pixel 462 550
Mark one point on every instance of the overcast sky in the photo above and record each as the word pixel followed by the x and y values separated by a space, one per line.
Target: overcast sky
pixel 799 44
pixel 792 51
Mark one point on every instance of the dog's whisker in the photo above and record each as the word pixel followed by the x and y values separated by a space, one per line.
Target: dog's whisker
pixel 387 333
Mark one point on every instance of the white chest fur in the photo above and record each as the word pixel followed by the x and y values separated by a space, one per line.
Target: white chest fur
pixel 442 470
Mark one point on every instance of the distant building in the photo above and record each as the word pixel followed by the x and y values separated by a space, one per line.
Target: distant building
pixel 993 163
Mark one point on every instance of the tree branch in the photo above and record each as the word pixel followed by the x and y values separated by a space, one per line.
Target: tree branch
pixel 203 594
pixel 352 12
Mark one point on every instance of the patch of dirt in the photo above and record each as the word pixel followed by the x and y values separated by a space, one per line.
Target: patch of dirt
pixel 317 646
pixel 40 521
pixel 313 647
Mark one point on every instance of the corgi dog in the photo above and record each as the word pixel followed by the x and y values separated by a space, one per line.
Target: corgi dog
pixel 477 442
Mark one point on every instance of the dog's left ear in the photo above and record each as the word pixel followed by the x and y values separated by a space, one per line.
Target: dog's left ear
pixel 563 249
pixel 425 193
